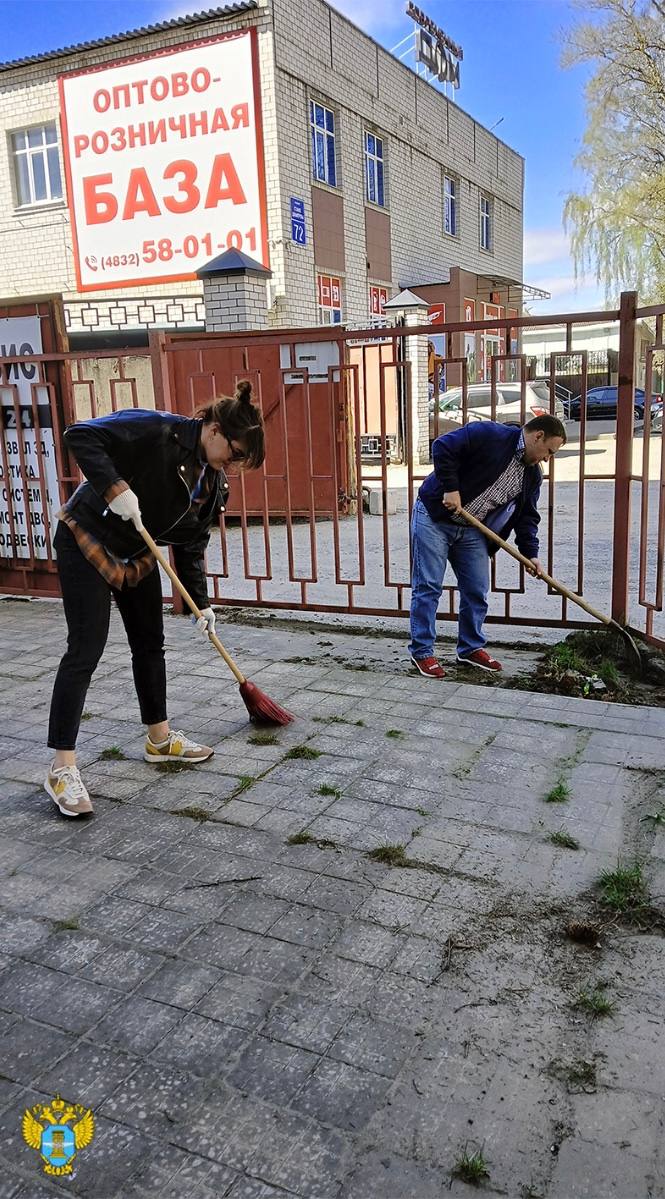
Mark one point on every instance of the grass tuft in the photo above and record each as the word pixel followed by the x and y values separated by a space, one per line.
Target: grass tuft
pixel 563 839
pixel 246 781
pixel 303 751
pixel 112 754
pixel 193 812
pixel 558 794
pixel 173 767
pixel 395 733
pixel 624 890
pixel 390 855
pixel 300 839
pixel 262 739
pixel 471 1167
pixel 324 789
pixel 69 925
pixel 594 1002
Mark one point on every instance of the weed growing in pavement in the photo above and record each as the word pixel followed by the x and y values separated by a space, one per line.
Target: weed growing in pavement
pixel 394 733
pixel 558 794
pixel 86 715
pixel 302 751
pixel 594 1002
pixel 246 781
pixel 300 839
pixel 193 812
pixel 471 1167
pixel 625 891
pixel 112 754
pixel 390 855
pixel 173 767
pixel 305 838
pixel 580 1073
pixel 324 789
pixel 69 925
pixel 656 817
pixel 262 739
pixel 338 720
pixel 563 839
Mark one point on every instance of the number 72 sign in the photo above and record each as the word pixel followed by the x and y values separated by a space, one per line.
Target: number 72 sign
pixel 164 162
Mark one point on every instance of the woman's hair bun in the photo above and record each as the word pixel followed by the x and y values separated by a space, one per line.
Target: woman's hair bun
pixel 244 391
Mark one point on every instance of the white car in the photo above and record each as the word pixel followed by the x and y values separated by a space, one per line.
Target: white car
pixel 508 410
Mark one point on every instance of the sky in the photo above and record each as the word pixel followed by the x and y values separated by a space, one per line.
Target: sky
pixel 511 78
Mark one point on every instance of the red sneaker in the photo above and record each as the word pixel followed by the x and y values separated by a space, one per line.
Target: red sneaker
pixel 481 659
pixel 429 667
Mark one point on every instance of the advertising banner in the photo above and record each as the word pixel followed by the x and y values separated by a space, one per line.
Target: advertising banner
pixel 164 163
pixel 21 493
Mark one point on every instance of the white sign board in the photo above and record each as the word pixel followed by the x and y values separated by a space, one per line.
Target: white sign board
pixel 164 163
pixel 21 335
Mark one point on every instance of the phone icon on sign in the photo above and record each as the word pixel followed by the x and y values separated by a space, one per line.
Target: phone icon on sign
pixel 91 262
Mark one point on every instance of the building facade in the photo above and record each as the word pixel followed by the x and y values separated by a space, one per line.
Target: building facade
pixel 275 127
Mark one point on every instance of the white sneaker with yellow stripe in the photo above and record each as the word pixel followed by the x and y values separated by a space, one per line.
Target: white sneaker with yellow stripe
pixel 176 748
pixel 66 789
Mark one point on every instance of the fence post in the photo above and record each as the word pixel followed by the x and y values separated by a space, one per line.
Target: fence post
pixel 160 370
pixel 624 455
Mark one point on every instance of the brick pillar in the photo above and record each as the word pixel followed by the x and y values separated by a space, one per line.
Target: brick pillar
pixel 234 293
pixel 416 355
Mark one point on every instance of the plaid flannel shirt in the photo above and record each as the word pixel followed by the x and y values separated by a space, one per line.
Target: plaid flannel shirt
pixel 508 485
pixel 119 572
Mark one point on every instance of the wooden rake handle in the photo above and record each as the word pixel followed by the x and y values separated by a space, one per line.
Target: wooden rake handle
pixel 166 566
pixel 515 553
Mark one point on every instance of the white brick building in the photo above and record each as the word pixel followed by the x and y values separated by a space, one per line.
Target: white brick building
pixel 386 146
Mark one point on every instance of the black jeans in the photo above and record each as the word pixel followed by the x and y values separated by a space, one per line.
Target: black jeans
pixel 87 603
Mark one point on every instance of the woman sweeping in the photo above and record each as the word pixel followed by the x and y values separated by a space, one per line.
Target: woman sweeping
pixel 166 473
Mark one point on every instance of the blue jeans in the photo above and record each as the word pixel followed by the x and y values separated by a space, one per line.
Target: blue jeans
pixel 434 545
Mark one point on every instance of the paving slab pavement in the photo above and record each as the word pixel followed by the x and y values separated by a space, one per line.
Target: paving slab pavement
pixel 253 1007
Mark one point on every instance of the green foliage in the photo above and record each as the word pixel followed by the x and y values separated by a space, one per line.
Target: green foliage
pixel 471 1167
pixel 564 840
pixel 112 754
pixel 595 1002
pixel 617 223
pixel 558 794
pixel 303 751
pixel 624 890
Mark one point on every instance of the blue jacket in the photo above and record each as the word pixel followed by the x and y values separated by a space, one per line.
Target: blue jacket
pixel 468 460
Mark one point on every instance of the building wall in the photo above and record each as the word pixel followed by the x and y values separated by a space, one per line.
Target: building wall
pixel 321 55
pixel 306 49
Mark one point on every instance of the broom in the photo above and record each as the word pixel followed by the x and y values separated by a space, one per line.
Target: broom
pixel 260 707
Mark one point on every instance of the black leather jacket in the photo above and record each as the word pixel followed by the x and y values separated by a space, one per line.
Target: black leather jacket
pixel 157 454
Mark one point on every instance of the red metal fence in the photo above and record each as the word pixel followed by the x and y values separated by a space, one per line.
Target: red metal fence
pixel 322 527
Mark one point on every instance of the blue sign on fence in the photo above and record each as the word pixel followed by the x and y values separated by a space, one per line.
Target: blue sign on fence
pixel 298 221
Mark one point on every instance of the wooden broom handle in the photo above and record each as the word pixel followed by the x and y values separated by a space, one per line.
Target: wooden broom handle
pixel 166 566
pixel 515 553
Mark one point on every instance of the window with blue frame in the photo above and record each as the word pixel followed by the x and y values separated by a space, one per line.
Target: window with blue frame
pixel 374 169
pixel 322 128
pixel 450 205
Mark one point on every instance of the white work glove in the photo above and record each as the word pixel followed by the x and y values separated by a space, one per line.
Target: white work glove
pixel 205 624
pixel 126 506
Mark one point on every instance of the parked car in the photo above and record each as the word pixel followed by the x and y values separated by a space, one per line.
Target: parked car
pixel 657 420
pixel 601 404
pixel 508 404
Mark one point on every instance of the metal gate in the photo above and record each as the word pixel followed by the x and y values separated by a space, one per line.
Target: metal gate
pixel 323 526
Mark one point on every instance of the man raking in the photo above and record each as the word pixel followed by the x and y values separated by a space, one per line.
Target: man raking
pixel 494 472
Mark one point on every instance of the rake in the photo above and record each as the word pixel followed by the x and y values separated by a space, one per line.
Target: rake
pixel 560 587
pixel 260 707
